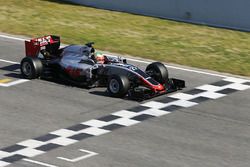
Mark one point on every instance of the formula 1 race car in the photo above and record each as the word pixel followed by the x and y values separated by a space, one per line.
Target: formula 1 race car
pixel 83 66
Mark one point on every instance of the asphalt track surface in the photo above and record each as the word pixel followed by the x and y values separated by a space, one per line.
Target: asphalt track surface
pixel 212 133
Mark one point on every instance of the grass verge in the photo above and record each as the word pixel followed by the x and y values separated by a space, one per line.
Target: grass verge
pixel 192 45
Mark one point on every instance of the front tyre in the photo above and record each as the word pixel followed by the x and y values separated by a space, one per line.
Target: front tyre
pixel 158 72
pixel 31 68
pixel 118 86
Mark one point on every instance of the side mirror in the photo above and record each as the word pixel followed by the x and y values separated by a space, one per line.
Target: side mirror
pixel 90 44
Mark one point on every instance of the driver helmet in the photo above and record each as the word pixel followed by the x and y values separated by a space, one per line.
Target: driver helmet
pixel 99 57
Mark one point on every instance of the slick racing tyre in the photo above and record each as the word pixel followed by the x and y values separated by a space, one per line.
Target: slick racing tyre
pixel 118 86
pixel 158 72
pixel 31 68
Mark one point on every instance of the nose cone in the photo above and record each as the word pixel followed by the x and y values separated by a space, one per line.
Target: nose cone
pixel 159 87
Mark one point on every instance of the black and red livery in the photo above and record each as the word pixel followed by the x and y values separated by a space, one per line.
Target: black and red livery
pixel 77 64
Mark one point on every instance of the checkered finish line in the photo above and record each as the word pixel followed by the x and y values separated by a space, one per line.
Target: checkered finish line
pixel 124 118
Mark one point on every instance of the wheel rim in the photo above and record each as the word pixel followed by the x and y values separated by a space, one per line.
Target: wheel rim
pixel 114 86
pixel 27 69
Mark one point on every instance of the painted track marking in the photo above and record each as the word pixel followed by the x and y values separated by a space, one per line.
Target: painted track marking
pixel 180 68
pixel 8 84
pixel 39 163
pixel 120 119
pixel 19 81
pixel 7 61
pixel 90 154
pixel 10 37
pixel 5 80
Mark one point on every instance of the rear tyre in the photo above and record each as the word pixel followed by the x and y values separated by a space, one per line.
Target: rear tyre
pixel 158 72
pixel 118 86
pixel 31 68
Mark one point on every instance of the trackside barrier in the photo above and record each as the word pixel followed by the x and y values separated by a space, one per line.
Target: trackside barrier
pixel 233 14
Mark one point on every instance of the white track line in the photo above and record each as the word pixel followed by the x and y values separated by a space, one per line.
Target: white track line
pixel 90 154
pixel 14 82
pixel 180 68
pixel 39 163
pixel 10 37
pixel 7 61
pixel 135 60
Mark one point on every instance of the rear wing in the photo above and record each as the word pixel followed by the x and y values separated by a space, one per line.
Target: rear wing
pixel 50 42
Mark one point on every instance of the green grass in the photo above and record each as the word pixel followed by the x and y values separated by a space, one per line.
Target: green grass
pixel 163 40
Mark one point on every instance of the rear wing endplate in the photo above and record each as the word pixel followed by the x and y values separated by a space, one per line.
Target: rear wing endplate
pixel 33 46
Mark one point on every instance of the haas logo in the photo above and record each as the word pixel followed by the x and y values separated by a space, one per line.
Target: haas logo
pixel 73 72
pixel 44 40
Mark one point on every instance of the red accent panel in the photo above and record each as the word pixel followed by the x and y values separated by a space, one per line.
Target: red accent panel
pixel 32 48
pixel 73 72
pixel 155 88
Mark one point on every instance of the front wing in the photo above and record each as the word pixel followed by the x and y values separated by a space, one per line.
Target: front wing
pixel 141 93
